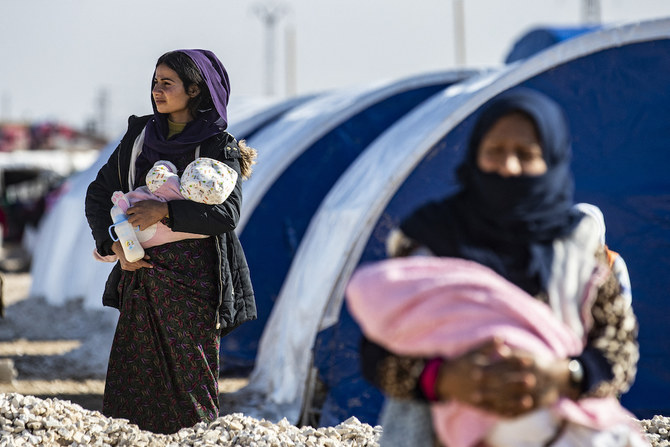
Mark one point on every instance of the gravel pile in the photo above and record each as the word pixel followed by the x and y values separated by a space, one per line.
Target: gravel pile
pixel 28 421
pixel 657 430
pixel 36 319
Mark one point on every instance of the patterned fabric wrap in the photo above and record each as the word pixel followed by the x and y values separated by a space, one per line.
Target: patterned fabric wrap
pixel 164 364
pixel 209 181
pixel 163 175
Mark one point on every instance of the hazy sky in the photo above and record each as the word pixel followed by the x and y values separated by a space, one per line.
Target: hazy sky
pixel 59 55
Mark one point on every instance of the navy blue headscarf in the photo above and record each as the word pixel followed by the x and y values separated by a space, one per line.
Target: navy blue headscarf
pixel 206 124
pixel 507 224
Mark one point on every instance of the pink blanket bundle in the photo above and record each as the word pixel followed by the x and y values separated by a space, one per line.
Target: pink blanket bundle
pixel 427 306
pixel 159 233
pixel 156 234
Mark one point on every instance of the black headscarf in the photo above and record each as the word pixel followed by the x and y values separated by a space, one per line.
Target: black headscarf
pixel 507 224
pixel 207 124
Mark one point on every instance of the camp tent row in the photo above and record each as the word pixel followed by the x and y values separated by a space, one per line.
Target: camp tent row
pixel 612 84
pixel 337 171
pixel 301 156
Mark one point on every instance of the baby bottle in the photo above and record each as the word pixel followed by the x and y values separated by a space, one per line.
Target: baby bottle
pixel 126 234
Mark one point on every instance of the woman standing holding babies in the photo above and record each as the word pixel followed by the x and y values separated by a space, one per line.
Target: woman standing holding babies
pixel 178 301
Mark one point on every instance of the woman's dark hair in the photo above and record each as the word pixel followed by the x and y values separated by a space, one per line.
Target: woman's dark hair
pixel 190 75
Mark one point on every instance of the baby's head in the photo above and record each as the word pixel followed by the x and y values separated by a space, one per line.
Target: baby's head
pixel 161 172
pixel 209 181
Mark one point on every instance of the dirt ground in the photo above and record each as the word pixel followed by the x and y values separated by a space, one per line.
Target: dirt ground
pixel 58 351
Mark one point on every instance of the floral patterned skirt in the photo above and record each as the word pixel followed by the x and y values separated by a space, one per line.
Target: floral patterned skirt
pixel 164 363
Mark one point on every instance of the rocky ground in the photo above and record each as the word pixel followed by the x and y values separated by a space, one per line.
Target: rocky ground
pixel 58 355
pixel 53 349
pixel 53 361
pixel 27 420
pixel 59 351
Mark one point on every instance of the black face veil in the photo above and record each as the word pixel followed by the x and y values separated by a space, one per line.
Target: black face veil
pixel 509 223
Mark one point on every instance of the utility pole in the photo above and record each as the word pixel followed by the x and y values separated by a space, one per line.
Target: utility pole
pixel 591 12
pixel 291 63
pixel 459 33
pixel 102 103
pixel 6 107
pixel 269 13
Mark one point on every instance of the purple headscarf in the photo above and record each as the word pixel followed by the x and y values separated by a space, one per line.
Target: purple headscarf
pixel 215 76
pixel 205 125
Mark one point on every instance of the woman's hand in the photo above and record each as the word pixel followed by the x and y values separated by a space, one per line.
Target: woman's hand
pixel 146 213
pixel 501 380
pixel 130 266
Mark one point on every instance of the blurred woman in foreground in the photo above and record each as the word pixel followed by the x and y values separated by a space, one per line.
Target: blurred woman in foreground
pixel 513 221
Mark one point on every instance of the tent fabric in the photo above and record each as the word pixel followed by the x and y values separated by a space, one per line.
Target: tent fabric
pixel 538 39
pixel 313 289
pixel 63 254
pixel 276 226
pixel 281 142
pixel 254 115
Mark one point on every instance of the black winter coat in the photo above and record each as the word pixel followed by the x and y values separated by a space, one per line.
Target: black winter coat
pixel 236 297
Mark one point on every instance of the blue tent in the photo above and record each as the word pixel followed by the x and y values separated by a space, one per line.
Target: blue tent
pixel 538 39
pixel 612 83
pixel 252 116
pixel 301 155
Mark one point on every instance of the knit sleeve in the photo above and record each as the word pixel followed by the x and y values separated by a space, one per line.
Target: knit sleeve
pixel 612 351
pixel 395 375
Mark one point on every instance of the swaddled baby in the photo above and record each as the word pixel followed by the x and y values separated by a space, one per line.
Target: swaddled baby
pixel 204 180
